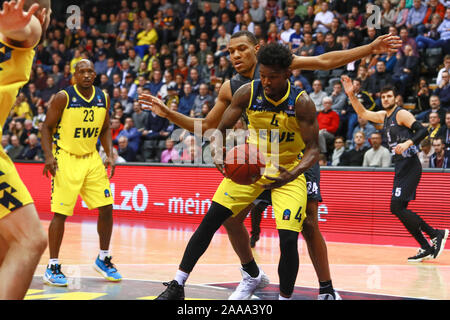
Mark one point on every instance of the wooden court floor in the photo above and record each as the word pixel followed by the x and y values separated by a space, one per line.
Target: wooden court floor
pixel 146 257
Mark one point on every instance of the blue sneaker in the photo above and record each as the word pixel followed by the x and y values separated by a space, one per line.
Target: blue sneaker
pixel 107 269
pixel 54 277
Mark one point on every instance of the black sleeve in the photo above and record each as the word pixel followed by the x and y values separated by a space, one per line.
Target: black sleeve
pixel 420 132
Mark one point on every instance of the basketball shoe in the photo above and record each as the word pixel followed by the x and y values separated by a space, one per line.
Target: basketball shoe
pixel 328 296
pixel 248 285
pixel 54 277
pixel 174 291
pixel 422 254
pixel 439 242
pixel 107 269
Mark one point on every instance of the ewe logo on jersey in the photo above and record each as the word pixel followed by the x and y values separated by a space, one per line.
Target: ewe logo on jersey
pixel 86 132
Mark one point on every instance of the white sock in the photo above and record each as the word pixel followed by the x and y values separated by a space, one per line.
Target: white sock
pixel 280 297
pixel 53 261
pixel 181 277
pixel 103 254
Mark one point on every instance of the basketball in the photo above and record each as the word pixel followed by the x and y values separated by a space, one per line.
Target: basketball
pixel 243 164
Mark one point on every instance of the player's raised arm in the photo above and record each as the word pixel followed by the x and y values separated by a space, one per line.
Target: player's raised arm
pixel 377 117
pixel 211 121
pixel 335 59
pixel 22 28
pixel 54 113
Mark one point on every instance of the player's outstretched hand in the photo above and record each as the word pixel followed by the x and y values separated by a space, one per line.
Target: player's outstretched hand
pixel 109 162
pixel 285 176
pixel 51 165
pixel 152 103
pixel 347 84
pixel 386 43
pixel 13 18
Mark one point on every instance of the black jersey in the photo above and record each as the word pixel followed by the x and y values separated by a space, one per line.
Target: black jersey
pixel 397 134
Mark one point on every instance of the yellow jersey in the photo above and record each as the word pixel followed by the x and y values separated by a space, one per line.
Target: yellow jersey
pixel 82 121
pixel 273 125
pixel 15 69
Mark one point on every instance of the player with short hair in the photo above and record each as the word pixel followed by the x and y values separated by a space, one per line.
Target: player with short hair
pixel 404 133
pixel 271 103
pixel 243 47
pixel 78 116
pixel 22 238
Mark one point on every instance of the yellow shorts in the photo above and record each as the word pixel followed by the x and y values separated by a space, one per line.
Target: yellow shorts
pixel 79 175
pixel 288 201
pixel 13 193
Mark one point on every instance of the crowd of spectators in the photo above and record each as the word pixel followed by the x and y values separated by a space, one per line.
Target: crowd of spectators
pixel 177 50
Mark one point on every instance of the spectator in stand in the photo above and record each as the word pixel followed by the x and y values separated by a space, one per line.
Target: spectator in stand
pixel 296 37
pixel 354 34
pixel 21 110
pixel 441 156
pixel 139 116
pixel 307 46
pixel 154 137
pixel 116 127
pixel 257 12
pixel 32 150
pixel 422 97
pixel 378 80
pixel 155 82
pixel 407 40
pixel 339 148
pixel 125 151
pixel 443 90
pixel 328 121
pixel 377 156
pixel 426 151
pixel 323 19
pixel 446 68
pixel 317 95
pixel 338 97
pixel 406 70
pixel 416 16
pixel 435 106
pixel 28 129
pixel 16 148
pixel 145 38
pixel 131 133
pixel 444 131
pixel 285 35
pixel 434 125
pixel 170 154
pixel 355 156
pixel 363 126
pixel 126 101
pixel 297 76
pixel 401 14
pixel 202 97
pixel 387 15
pixel 431 38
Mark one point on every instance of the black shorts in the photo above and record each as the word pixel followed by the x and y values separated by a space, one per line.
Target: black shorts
pixel 312 176
pixel 407 176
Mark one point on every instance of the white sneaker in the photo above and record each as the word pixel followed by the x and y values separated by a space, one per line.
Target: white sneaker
pixel 248 285
pixel 327 296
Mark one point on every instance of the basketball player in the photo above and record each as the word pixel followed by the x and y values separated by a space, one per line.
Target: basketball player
pixel 404 134
pixel 271 103
pixel 243 48
pixel 22 239
pixel 77 117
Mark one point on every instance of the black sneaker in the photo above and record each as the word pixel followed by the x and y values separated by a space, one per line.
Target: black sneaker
pixel 439 242
pixel 253 240
pixel 174 291
pixel 422 254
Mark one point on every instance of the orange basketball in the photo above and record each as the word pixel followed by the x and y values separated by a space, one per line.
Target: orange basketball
pixel 243 164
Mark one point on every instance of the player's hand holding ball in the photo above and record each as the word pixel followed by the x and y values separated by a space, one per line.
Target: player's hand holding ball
pixel 244 163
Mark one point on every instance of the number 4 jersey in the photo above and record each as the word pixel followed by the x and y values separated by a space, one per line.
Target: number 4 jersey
pixel 81 123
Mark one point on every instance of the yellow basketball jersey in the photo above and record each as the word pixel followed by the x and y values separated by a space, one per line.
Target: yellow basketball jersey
pixel 15 69
pixel 81 123
pixel 273 125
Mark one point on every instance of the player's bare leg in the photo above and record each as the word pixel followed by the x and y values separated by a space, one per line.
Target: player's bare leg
pixel 103 263
pixel 25 241
pixel 317 250
pixel 56 234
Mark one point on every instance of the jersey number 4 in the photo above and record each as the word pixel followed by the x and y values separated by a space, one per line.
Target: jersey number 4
pixel 5 54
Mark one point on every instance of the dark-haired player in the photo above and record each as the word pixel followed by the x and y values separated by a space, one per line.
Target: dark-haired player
pixel 22 239
pixel 404 134
pixel 275 107
pixel 243 47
